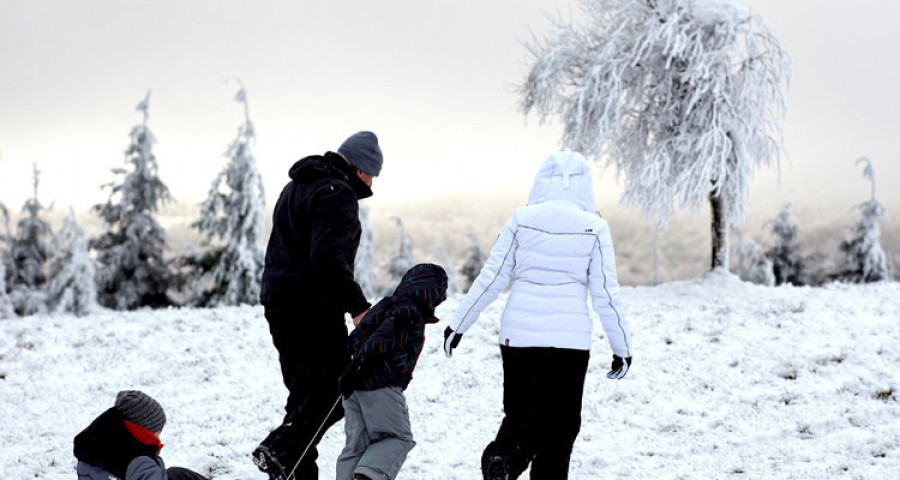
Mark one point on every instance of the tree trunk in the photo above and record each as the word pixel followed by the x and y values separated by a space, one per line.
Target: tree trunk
pixel 719 232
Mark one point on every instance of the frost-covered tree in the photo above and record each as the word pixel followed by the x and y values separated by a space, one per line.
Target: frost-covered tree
pixel 787 262
pixel 71 287
pixel 452 276
pixel 29 252
pixel 6 310
pixel 401 261
pixel 232 221
pixel 131 270
pixel 866 260
pixel 364 267
pixel 685 97
pixel 474 261
pixel 753 265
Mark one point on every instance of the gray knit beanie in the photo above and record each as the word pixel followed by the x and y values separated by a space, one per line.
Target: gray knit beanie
pixel 363 152
pixel 141 409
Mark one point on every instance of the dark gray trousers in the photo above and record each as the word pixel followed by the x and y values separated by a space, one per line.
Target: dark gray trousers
pixel 378 434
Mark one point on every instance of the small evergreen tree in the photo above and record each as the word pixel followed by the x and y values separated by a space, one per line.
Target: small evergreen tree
pixel 232 220
pixel 401 261
pixel 364 267
pixel 6 310
pixel 131 270
pixel 29 257
pixel 753 265
pixel 866 260
pixel 72 274
pixel 474 261
pixel 452 276
pixel 787 263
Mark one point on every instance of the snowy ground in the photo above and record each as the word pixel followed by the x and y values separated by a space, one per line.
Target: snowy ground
pixel 730 380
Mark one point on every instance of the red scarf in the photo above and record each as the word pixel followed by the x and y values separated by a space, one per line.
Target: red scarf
pixel 144 435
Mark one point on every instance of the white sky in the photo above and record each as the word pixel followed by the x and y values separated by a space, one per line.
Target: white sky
pixel 434 79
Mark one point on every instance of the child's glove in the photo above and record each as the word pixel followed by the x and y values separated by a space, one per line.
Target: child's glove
pixel 348 381
pixel 619 367
pixel 451 340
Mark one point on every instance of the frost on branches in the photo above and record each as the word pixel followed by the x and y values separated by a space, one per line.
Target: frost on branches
pixel 131 271
pixel 447 265
pixel 866 260
pixel 401 261
pixel 29 252
pixel 71 287
pixel 683 97
pixel 232 220
pixel 364 265
pixel 475 258
pixel 753 266
pixel 787 263
pixel 6 310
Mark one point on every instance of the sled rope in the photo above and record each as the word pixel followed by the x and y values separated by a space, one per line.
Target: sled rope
pixel 313 439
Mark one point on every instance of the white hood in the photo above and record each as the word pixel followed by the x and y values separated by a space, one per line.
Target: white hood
pixel 564 176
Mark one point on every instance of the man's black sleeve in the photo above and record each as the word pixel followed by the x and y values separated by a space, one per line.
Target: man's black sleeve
pixel 335 238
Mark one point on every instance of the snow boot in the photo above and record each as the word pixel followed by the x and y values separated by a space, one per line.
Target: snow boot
pixel 268 463
pixel 494 463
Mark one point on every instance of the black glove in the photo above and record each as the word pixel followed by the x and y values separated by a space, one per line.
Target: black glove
pixel 619 367
pixel 451 340
pixel 348 381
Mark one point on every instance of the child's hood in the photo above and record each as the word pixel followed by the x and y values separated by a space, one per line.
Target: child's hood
pixel 425 284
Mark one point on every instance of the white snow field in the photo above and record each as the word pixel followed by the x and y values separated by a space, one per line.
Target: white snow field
pixel 730 381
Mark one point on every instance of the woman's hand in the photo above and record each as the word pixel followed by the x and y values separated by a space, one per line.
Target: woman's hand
pixel 451 341
pixel 619 367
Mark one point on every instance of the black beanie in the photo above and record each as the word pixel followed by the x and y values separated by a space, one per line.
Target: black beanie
pixel 363 152
pixel 141 409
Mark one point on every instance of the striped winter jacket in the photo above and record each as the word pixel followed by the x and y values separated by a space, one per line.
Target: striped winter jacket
pixel 555 251
pixel 386 344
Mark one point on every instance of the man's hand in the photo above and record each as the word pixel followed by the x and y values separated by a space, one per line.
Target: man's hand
pixel 619 367
pixel 451 341
pixel 359 318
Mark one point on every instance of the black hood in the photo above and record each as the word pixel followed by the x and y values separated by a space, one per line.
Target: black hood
pixel 330 165
pixel 425 284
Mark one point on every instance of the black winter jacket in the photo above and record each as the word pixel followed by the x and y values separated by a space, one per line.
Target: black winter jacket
pixel 106 443
pixel 386 344
pixel 315 234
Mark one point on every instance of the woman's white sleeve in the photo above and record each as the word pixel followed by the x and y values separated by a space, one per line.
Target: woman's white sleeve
pixel 491 281
pixel 604 287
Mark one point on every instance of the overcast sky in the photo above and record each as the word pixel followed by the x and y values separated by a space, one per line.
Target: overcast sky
pixel 434 79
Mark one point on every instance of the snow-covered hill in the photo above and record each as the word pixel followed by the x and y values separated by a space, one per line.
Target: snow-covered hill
pixel 730 380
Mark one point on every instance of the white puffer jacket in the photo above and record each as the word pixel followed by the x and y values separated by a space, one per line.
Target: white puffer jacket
pixel 555 251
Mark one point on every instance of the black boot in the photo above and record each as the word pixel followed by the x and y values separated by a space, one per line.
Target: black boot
pixel 494 463
pixel 268 463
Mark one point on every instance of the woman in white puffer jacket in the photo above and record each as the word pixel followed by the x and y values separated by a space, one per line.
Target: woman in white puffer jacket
pixel 556 250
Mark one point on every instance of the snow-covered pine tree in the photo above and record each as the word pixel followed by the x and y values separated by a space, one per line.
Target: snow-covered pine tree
pixel 787 263
pixel 474 261
pixel 753 265
pixel 232 220
pixel 866 260
pixel 29 254
pixel 452 276
pixel 401 261
pixel 364 267
pixel 685 97
pixel 6 310
pixel 131 270
pixel 72 274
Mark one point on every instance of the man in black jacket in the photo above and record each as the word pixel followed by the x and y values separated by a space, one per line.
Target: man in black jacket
pixel 307 287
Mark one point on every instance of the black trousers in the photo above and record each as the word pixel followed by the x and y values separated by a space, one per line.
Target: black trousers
pixel 178 473
pixel 542 392
pixel 312 351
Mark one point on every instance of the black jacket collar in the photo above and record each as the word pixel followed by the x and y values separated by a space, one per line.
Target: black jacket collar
pixel 330 165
